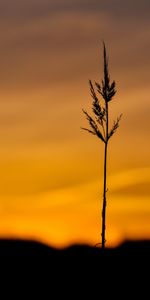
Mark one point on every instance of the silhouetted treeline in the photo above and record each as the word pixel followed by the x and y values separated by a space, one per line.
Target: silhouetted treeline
pixel 29 267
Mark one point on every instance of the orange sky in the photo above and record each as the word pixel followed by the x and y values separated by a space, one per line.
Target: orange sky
pixel 51 172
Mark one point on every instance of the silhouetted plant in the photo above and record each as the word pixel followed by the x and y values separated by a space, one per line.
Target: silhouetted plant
pixel 99 126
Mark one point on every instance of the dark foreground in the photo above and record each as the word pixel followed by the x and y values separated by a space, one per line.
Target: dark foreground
pixel 30 270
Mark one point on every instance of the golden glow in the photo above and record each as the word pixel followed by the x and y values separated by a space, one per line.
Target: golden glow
pixel 51 173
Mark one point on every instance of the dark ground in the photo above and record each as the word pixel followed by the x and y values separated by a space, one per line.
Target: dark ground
pixel 29 268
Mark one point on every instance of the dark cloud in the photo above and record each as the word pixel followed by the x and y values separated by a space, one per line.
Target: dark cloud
pixel 45 41
pixel 128 8
pixel 33 8
pixel 28 8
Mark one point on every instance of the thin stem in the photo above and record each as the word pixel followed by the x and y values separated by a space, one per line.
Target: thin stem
pixel 105 183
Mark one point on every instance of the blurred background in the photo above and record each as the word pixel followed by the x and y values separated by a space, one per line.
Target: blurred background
pixel 51 172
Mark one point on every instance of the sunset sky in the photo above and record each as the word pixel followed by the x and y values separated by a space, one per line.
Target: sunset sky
pixel 51 172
